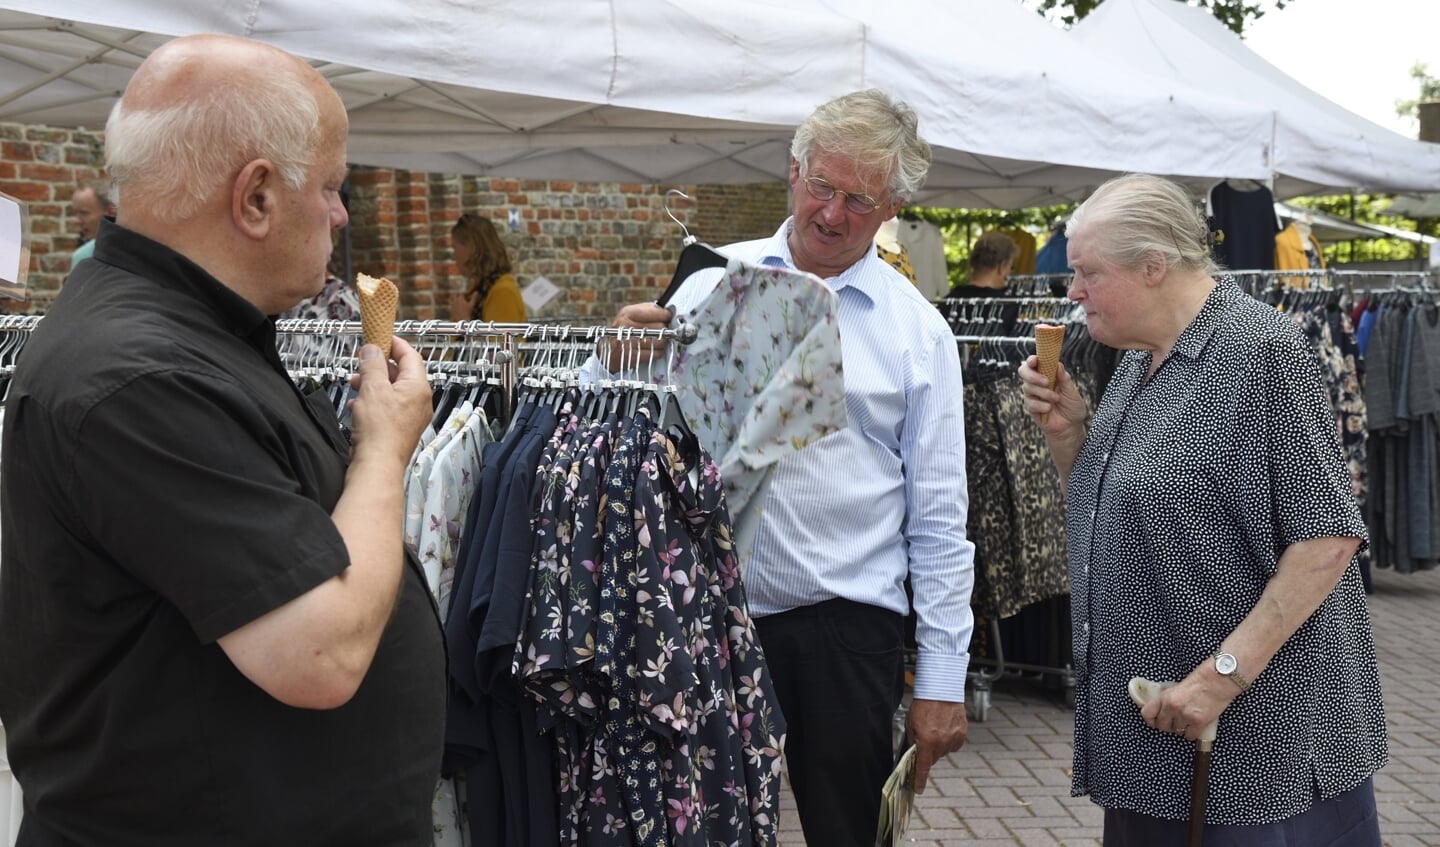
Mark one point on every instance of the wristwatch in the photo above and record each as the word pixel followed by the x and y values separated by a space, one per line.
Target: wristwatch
pixel 1225 665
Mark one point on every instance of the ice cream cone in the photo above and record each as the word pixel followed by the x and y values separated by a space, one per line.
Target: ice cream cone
pixel 1048 340
pixel 378 300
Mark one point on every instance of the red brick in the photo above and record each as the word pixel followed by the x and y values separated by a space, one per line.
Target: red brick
pixel 27 191
pixel 17 151
pixel 48 173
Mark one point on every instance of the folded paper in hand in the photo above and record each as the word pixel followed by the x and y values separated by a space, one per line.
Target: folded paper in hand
pixel 896 800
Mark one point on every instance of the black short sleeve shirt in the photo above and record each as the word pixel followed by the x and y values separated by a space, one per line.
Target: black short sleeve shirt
pixel 165 483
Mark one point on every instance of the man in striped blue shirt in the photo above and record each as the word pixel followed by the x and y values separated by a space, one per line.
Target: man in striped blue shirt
pixel 852 516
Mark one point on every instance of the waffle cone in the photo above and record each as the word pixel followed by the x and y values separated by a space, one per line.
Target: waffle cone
pixel 1048 340
pixel 379 299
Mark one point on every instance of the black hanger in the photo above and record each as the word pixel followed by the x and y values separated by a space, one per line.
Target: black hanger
pixel 696 256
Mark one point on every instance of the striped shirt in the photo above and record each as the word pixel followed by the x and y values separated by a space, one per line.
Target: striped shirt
pixel 855 512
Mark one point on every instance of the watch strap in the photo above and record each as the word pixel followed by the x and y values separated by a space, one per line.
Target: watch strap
pixel 1235 675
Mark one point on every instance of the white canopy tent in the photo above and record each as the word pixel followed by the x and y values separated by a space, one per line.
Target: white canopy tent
pixel 1416 206
pixel 669 91
pixel 1319 146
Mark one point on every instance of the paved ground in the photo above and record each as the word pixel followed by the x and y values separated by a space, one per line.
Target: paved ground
pixel 1011 783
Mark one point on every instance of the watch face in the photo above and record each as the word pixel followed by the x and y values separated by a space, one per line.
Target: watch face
pixel 1225 663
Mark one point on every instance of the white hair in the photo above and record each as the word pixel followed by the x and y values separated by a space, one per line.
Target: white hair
pixel 873 130
pixel 1136 216
pixel 173 158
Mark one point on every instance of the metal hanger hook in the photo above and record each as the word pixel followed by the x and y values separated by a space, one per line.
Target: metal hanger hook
pixel 688 239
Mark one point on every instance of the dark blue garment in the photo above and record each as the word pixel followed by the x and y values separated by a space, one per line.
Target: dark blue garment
pixel 459 637
pixel 1247 221
pixel 501 785
pixel 1346 820
pixel 1052 259
pixel 1367 323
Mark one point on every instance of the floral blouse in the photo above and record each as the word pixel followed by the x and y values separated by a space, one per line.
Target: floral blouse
pixel 640 650
pixel 763 377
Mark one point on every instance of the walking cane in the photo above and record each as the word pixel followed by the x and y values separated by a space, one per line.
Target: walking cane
pixel 1142 691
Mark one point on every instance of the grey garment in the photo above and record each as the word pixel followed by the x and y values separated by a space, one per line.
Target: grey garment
pixel 1423 379
pixel 1404 356
pixel 1380 362
pixel 1423 401
pixel 1418 505
pixel 1188 489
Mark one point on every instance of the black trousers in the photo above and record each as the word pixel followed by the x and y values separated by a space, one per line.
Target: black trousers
pixel 839 674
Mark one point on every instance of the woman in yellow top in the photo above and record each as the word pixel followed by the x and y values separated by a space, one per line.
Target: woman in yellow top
pixel 491 293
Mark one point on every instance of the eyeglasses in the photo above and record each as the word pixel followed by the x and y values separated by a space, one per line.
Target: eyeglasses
pixel 860 204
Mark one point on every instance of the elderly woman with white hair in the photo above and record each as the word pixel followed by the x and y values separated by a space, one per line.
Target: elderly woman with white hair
pixel 1212 537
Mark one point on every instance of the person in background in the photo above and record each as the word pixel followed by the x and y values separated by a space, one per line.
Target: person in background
pixel 491 293
pixel 224 641
pixel 826 578
pixel 90 203
pixel 990 260
pixel 1212 538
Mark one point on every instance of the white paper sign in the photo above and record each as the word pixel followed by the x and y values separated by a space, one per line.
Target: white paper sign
pixel 1435 254
pixel 14 246
pixel 539 292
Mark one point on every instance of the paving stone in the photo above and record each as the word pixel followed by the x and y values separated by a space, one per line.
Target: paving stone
pixel 1010 785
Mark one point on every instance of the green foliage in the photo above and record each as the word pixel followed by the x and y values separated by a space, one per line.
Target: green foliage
pixel 1368 209
pixel 1429 91
pixel 962 226
pixel 1234 14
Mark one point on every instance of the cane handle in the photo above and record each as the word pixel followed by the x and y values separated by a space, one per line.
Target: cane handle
pixel 1143 690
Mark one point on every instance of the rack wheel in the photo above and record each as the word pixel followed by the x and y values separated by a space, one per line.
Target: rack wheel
pixel 978 704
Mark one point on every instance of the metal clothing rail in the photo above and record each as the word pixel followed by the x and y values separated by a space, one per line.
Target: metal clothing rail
pixel 512 348
pixel 995 339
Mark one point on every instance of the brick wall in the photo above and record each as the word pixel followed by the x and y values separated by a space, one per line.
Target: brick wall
pixel 604 245
pixel 42 165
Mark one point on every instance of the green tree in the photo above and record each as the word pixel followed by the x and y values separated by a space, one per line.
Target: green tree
pixel 1234 14
pixel 1429 91
pixel 1368 209
pixel 961 227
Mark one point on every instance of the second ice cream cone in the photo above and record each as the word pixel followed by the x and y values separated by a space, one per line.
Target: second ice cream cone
pixel 1048 340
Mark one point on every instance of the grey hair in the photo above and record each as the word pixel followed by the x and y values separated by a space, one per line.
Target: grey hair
pixel 1135 216
pixel 173 158
pixel 874 130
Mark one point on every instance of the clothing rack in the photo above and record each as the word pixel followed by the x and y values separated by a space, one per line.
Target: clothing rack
pixel 988 330
pixel 510 354
pixel 1038 285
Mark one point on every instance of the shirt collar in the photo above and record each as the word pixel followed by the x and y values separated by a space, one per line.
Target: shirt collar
pixel 162 266
pixel 1222 297
pixel 859 277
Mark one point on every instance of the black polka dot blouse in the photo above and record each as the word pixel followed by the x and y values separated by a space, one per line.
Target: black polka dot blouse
pixel 1186 491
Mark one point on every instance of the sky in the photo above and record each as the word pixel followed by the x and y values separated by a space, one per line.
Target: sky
pixel 1357 53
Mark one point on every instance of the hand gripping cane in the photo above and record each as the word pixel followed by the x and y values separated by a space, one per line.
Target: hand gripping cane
pixel 1142 691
